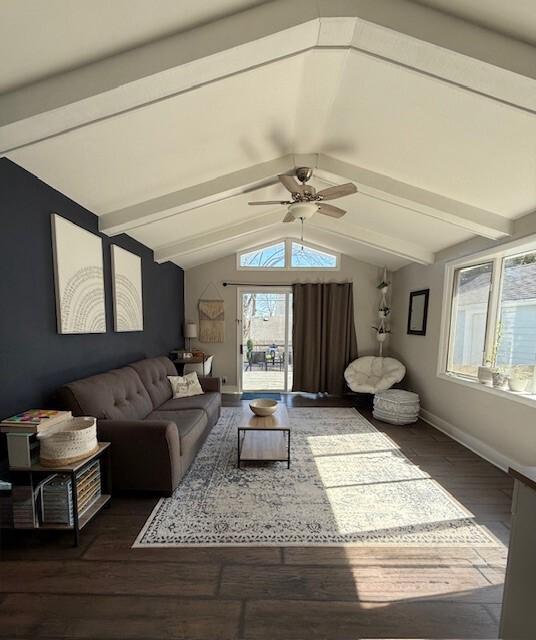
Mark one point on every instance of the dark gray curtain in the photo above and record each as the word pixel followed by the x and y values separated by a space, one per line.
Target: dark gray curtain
pixel 323 336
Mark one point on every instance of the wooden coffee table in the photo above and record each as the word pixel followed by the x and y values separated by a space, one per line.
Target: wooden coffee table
pixel 264 439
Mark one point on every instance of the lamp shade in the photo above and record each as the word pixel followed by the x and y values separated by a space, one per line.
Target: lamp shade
pixel 190 330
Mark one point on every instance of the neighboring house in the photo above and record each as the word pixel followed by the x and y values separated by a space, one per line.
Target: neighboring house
pixel 517 344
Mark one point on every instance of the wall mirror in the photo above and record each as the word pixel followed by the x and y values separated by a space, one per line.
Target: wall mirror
pixel 418 312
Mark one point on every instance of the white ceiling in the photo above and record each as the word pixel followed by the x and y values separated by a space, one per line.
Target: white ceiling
pixel 170 140
pixel 515 18
pixel 39 39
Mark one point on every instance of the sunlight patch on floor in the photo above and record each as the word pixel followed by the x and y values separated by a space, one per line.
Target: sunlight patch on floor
pixel 386 491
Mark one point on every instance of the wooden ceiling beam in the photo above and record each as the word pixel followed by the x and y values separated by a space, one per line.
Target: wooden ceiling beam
pixel 397 31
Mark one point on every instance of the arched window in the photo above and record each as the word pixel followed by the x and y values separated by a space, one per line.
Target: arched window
pixel 288 255
pixel 267 257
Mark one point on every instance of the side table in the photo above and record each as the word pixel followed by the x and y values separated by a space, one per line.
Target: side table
pixel 79 521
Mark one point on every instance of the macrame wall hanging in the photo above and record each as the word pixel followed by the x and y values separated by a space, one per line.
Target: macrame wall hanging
pixel 211 316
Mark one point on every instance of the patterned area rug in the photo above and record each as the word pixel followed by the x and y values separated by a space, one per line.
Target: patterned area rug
pixel 347 484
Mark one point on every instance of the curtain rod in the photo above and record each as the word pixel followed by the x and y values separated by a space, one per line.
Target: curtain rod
pixel 276 284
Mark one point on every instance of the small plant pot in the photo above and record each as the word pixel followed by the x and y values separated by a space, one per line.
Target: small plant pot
pixel 517 385
pixel 500 380
pixel 485 376
pixel 380 337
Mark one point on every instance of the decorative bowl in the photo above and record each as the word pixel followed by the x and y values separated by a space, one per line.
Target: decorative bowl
pixel 262 407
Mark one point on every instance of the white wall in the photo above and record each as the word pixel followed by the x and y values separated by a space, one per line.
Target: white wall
pixel 366 300
pixel 498 428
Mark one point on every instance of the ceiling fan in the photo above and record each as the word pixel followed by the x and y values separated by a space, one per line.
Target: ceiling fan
pixel 306 201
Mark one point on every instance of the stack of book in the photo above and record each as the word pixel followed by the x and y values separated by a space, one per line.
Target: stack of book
pixel 22 444
pixel 88 482
pixel 24 514
pixel 6 504
pixel 33 420
pixel 56 501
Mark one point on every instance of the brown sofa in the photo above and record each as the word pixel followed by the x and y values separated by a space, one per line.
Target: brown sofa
pixel 154 437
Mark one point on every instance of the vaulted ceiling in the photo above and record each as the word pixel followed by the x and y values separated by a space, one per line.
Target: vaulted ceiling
pixel 166 123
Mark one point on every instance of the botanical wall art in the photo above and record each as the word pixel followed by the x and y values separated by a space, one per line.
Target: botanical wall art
pixel 127 290
pixel 79 278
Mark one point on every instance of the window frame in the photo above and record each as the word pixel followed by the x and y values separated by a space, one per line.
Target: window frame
pixel 288 257
pixel 496 256
pixel 259 247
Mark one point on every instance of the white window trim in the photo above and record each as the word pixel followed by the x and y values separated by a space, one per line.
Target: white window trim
pixel 258 247
pixel 288 257
pixel 495 254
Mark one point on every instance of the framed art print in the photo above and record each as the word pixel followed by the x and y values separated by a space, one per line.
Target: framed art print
pixel 127 290
pixel 78 278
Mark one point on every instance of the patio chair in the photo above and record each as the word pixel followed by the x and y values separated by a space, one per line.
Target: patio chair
pixel 257 357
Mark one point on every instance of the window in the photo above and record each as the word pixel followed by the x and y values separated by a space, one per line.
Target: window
pixel 288 254
pixel 272 257
pixel 304 256
pixel 470 300
pixel 516 339
pixel 493 317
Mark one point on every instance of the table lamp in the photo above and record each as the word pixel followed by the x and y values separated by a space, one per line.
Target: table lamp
pixel 190 331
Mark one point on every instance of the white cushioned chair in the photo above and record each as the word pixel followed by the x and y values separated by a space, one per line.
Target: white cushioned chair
pixel 371 374
pixel 200 368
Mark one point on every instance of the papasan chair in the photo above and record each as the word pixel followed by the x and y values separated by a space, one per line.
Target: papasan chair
pixel 371 374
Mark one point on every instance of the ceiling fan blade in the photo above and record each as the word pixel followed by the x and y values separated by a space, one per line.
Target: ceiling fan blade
pixel 272 202
pixel 330 210
pixel 338 191
pixel 289 218
pixel 290 184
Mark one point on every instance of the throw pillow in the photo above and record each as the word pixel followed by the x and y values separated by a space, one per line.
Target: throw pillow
pixel 185 386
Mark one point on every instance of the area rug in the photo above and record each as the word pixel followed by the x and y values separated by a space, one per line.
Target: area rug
pixel 348 484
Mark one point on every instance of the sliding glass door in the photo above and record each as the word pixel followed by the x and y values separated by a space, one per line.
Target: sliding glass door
pixel 265 339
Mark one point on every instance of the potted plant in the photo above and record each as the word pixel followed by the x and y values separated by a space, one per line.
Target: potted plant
pixel 383 286
pixel 383 312
pixel 381 333
pixel 517 382
pixel 485 372
pixel 499 378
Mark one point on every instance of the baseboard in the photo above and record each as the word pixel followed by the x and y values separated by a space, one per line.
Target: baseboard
pixel 474 444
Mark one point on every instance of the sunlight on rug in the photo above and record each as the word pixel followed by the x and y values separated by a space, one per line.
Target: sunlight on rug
pixel 348 484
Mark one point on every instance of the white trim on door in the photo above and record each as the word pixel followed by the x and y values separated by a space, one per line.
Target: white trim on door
pixel 287 290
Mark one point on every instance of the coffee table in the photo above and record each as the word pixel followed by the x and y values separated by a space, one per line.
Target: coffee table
pixel 265 439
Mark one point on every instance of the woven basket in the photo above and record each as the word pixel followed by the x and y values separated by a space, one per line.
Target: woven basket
pixel 68 442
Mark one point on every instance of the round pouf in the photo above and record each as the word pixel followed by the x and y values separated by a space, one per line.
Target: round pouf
pixel 396 406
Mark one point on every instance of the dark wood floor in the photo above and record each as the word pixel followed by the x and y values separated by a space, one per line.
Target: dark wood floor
pixel 104 589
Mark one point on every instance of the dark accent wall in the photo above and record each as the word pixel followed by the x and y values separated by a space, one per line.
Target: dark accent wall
pixel 34 359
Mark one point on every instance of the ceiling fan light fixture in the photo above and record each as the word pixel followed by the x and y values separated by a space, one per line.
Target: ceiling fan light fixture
pixel 304 210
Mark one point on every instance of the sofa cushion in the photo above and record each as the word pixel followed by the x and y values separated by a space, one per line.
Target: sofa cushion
pixel 116 395
pixel 153 373
pixel 191 424
pixel 209 402
pixel 185 386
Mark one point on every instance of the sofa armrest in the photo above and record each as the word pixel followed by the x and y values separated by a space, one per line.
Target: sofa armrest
pixel 145 453
pixel 209 383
